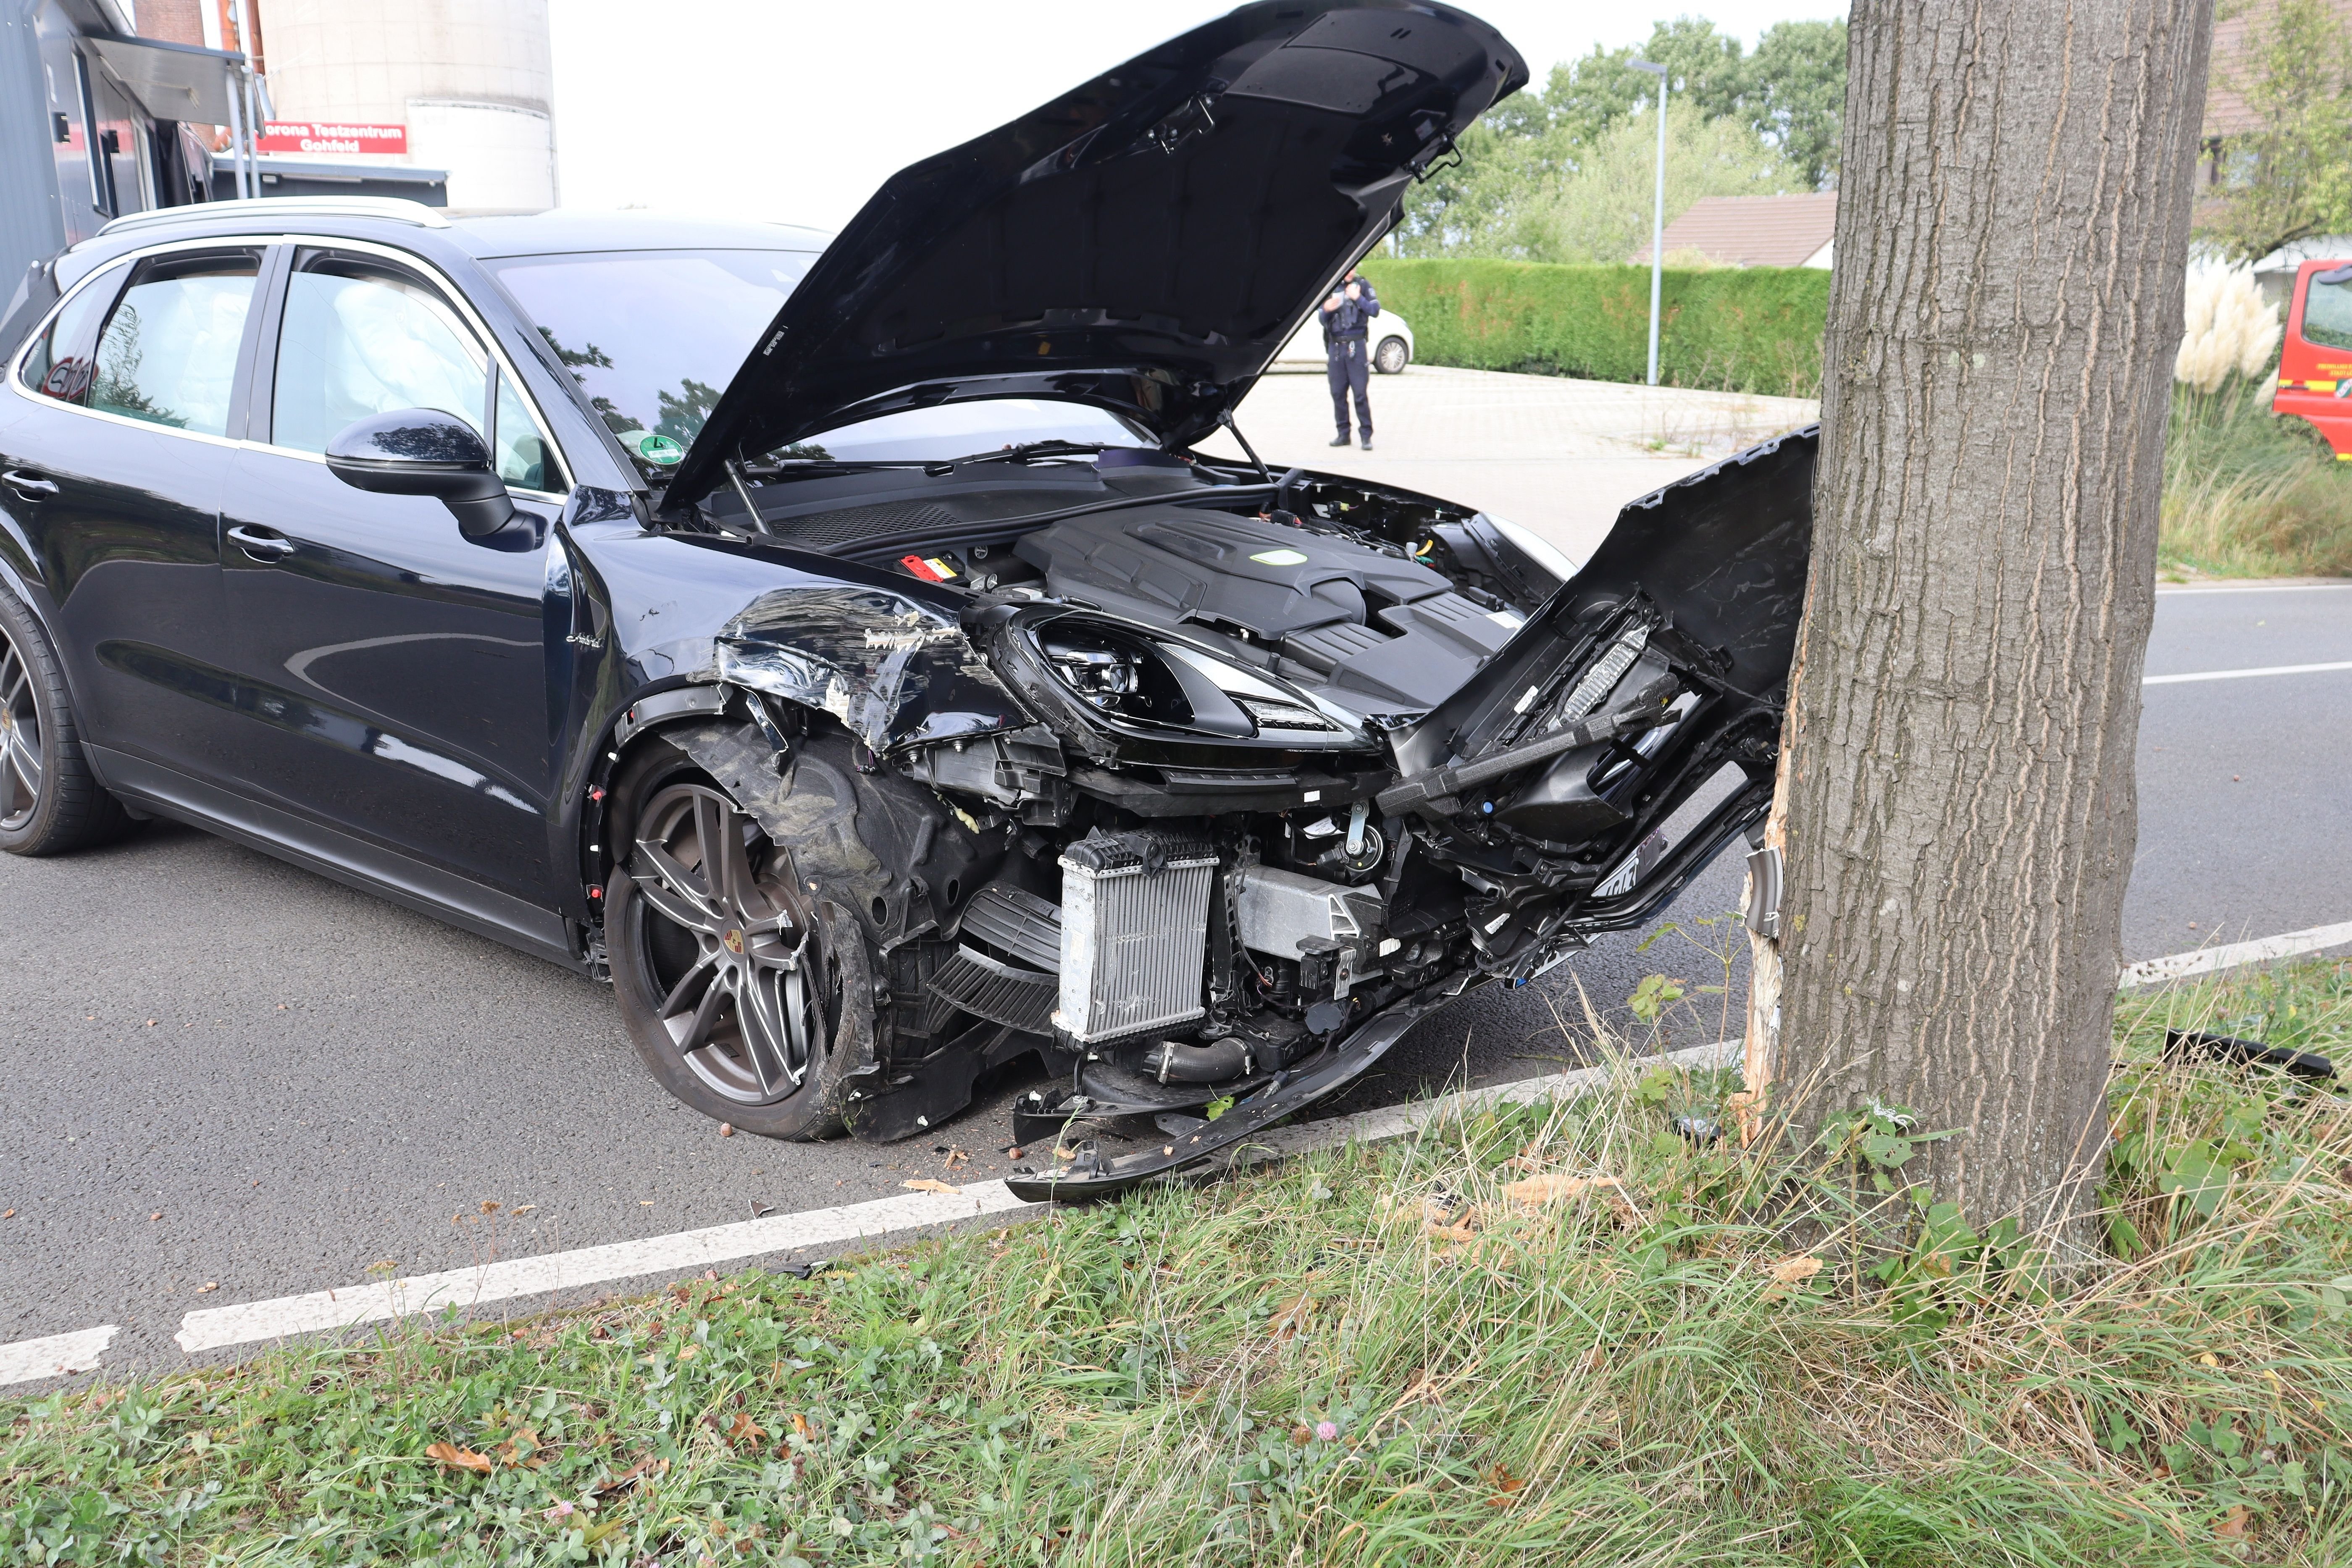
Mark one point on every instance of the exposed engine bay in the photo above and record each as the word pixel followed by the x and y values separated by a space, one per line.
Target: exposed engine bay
pixel 1202 790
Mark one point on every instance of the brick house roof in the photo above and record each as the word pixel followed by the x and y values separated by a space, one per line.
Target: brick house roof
pixel 1756 231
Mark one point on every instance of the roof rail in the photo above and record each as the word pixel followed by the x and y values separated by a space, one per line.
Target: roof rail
pixel 393 209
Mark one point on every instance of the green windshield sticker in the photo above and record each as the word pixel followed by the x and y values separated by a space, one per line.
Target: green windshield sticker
pixel 659 450
pixel 1279 558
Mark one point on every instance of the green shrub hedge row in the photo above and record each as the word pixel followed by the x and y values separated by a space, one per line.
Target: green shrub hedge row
pixel 1755 329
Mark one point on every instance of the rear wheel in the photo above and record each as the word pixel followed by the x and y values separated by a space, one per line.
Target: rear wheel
pixel 743 992
pixel 1391 356
pixel 49 800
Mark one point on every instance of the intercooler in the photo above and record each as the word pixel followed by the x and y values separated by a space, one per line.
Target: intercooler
pixel 1135 933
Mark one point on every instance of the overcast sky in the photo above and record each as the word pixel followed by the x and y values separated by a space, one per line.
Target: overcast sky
pixel 796 109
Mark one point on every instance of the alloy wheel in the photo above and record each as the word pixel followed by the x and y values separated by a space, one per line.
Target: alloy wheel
pixel 733 944
pixel 1391 357
pixel 22 759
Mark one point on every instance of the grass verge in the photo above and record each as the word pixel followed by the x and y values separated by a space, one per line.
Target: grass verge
pixel 1466 1351
pixel 2248 494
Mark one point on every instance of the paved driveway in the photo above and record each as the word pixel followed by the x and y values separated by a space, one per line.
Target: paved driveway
pixel 1555 455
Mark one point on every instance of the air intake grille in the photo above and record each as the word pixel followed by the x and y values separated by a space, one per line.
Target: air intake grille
pixel 999 993
pixel 1135 934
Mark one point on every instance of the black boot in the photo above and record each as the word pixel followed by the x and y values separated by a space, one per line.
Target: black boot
pixel 1340 440
pixel 1367 440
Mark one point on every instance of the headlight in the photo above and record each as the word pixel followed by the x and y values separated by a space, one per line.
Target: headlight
pixel 1143 681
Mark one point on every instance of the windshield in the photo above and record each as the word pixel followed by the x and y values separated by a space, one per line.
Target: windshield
pixel 654 336
pixel 2327 312
pixel 967 429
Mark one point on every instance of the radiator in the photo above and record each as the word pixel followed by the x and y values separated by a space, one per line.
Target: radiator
pixel 1135 934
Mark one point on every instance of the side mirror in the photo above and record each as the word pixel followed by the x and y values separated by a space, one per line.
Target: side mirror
pixel 423 452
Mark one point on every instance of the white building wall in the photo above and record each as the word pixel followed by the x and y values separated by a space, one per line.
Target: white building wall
pixel 472 80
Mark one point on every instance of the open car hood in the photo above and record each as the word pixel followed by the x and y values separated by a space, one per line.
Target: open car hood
pixel 1144 243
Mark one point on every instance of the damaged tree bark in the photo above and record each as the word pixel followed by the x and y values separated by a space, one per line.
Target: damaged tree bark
pixel 2012 227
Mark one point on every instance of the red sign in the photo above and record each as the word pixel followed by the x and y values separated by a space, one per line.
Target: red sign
pixel 324 136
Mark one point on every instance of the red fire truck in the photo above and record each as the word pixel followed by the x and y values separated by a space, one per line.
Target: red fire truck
pixel 2315 365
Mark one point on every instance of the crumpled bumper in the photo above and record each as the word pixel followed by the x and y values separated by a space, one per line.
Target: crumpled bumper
pixel 1088 1178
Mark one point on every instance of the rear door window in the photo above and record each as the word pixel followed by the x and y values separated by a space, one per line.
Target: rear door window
pixel 363 336
pixel 168 353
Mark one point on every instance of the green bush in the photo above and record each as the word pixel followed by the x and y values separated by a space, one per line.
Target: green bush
pixel 1755 329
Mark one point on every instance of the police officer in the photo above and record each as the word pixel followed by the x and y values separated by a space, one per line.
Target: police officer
pixel 1347 357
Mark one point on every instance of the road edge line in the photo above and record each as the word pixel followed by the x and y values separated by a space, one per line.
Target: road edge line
pixel 55 1355
pixel 2233 955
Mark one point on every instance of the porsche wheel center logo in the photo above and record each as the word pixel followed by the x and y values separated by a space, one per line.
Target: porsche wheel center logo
pixel 734 940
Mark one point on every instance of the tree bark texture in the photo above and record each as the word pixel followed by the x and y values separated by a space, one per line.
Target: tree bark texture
pixel 2012 225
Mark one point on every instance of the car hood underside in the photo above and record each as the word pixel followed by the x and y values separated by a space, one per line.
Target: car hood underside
pixel 1144 243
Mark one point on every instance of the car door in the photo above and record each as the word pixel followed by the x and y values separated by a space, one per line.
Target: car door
pixel 394 675
pixel 114 447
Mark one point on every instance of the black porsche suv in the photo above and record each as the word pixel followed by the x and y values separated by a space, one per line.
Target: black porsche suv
pixel 844 646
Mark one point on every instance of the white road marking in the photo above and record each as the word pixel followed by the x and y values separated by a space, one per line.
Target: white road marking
pixel 884 1218
pixel 375 1302
pixel 2205 960
pixel 27 1361
pixel 2247 674
pixel 2163 592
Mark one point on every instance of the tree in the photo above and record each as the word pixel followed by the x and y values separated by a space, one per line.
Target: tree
pixel 1956 798
pixel 1787 100
pixel 2292 174
pixel 1602 212
pixel 1796 94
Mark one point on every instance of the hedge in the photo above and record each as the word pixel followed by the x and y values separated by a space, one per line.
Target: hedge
pixel 1753 329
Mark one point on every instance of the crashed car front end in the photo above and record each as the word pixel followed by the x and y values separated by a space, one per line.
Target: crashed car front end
pixel 1198 780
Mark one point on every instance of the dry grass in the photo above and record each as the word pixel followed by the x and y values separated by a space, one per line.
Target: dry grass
pixel 2248 494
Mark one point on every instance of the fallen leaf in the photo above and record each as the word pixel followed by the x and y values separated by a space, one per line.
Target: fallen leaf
pixel 2209 1359
pixel 1593 1360
pixel 459 1458
pixel 1536 1191
pixel 1506 1484
pixel 744 1429
pixel 800 1423
pixel 688 1353
pixel 644 1469
pixel 2233 1524
pixel 1437 1232
pixel 1790 1270
pixel 927 1185
pixel 1290 1318
pixel 523 1449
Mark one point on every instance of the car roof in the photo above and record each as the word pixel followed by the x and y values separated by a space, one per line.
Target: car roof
pixel 413 224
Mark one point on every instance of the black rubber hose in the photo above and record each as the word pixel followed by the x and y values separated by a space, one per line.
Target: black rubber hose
pixel 1172 1062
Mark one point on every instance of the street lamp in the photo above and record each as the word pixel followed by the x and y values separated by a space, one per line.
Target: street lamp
pixel 1658 217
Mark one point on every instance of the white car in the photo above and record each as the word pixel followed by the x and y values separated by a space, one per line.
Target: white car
pixel 1390 337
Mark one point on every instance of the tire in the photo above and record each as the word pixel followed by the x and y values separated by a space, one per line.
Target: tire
pixel 747 998
pixel 50 802
pixel 1391 356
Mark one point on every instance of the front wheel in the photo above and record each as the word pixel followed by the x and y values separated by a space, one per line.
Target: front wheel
pixel 743 993
pixel 1391 356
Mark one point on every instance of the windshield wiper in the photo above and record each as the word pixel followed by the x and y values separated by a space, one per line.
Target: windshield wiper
pixel 1023 453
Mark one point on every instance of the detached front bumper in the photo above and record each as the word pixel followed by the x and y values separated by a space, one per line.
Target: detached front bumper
pixel 1094 1177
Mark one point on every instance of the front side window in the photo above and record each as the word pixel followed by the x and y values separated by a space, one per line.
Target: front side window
pixel 363 336
pixel 2327 312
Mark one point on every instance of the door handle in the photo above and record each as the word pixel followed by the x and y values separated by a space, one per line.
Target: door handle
pixel 29 486
pixel 261 543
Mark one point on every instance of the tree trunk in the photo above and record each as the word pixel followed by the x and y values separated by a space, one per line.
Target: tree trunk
pixel 2012 227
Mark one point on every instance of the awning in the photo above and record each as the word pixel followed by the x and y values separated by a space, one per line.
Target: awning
pixel 173 81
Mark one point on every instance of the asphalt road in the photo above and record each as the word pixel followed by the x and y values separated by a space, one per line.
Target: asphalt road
pixel 222 1070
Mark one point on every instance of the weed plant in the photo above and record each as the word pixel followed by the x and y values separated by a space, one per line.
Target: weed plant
pixel 1565 1333
pixel 2248 494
